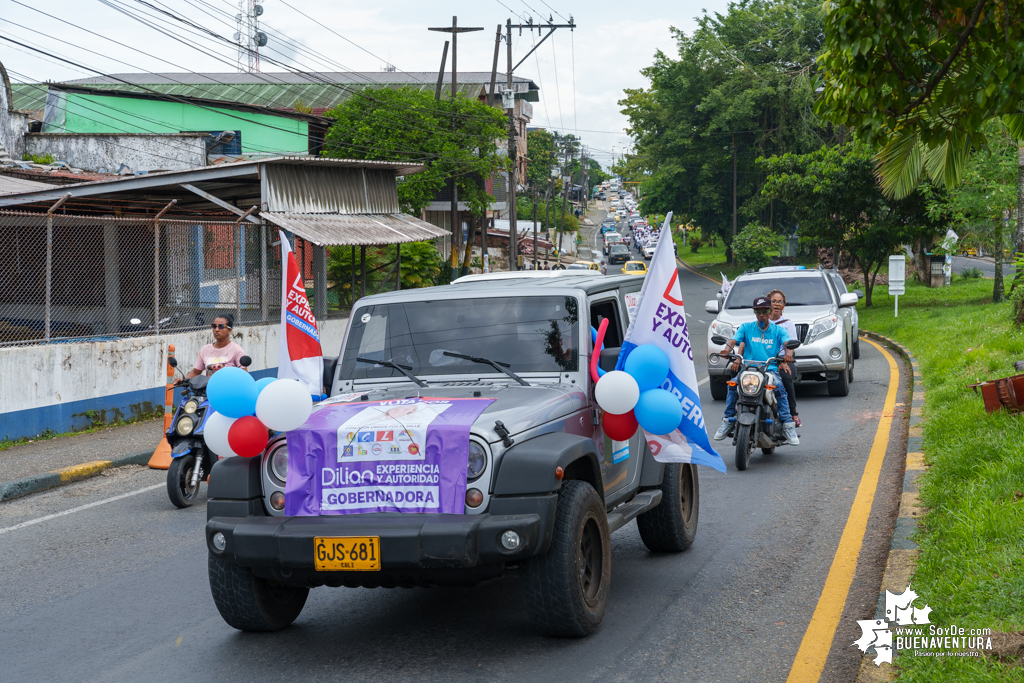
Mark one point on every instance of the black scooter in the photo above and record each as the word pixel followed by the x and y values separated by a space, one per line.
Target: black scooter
pixel 191 460
pixel 757 413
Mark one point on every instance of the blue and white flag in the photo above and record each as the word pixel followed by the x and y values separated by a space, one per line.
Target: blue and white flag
pixel 660 320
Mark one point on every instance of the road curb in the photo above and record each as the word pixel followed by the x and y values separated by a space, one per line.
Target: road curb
pixel 903 550
pixel 17 488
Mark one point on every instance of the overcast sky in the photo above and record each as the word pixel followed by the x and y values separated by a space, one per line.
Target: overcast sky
pixel 603 56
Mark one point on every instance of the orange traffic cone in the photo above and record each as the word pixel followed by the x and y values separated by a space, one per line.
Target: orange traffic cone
pixel 161 459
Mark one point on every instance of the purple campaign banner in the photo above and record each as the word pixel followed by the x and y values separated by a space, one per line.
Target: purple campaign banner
pixel 405 455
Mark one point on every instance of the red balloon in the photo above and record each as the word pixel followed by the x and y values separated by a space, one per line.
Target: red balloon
pixel 247 436
pixel 617 427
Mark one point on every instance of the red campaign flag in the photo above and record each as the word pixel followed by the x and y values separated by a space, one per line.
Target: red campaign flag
pixel 300 354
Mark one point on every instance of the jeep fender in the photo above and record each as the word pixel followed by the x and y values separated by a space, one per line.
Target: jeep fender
pixel 529 467
pixel 236 488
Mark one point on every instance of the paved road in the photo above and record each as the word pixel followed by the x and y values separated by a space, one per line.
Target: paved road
pixel 118 591
pixel 988 268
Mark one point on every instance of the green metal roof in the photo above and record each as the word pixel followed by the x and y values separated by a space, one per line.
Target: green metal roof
pixel 277 90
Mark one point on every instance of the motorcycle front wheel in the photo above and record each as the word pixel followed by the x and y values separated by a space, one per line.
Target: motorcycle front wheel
pixel 743 446
pixel 179 481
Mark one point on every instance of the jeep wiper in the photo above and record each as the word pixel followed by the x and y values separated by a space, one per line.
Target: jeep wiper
pixel 404 369
pixel 500 367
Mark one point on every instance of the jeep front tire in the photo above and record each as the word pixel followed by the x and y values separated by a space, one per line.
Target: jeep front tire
pixel 250 603
pixel 567 587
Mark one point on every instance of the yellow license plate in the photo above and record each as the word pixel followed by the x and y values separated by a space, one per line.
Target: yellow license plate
pixel 347 553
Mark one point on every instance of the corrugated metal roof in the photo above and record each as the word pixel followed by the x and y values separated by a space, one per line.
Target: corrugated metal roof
pixel 13 185
pixel 278 90
pixel 327 189
pixel 354 230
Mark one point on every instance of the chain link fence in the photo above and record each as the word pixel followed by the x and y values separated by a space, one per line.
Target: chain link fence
pixel 68 278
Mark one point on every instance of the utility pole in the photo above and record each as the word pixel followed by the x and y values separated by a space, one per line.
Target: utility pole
pixel 733 199
pixel 513 261
pixel 535 228
pixel 455 30
pixel 565 198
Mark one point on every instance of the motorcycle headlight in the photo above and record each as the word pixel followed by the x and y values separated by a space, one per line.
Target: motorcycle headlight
pixel 184 426
pixel 750 382
pixel 477 461
pixel 722 328
pixel 279 463
pixel 821 327
pixel 191 407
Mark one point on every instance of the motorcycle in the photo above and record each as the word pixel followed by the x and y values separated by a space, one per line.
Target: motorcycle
pixel 757 412
pixel 191 459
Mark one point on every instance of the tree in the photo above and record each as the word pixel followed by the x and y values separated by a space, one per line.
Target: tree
pixel 753 243
pixel 743 80
pixel 403 124
pixel 923 79
pixel 838 203
pixel 982 204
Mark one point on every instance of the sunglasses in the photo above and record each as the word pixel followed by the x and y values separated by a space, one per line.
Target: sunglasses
pixel 761 311
pixel 220 326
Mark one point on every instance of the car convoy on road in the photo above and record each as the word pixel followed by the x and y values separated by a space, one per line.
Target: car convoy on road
pixel 544 485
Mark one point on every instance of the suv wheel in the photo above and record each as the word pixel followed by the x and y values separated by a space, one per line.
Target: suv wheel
pixel 856 349
pixel 672 525
pixel 719 389
pixel 250 603
pixel 567 587
pixel 840 386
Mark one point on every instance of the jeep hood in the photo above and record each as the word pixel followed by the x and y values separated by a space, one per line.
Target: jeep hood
pixel 517 407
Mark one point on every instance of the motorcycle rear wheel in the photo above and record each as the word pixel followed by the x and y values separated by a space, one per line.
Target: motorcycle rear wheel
pixel 742 446
pixel 179 480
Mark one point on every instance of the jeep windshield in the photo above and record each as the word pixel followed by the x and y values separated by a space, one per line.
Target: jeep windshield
pixel 799 291
pixel 531 334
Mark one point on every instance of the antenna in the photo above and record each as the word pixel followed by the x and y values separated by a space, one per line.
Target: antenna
pixel 249 36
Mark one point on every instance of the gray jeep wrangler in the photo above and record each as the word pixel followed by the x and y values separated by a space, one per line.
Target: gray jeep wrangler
pixel 545 487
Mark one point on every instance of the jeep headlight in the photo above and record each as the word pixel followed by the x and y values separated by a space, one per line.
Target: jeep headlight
pixel 821 327
pixel 722 328
pixel 477 461
pixel 191 407
pixel 750 383
pixel 279 462
pixel 184 426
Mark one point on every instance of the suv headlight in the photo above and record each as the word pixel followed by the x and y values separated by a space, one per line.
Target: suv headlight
pixel 821 327
pixel 279 462
pixel 750 382
pixel 722 328
pixel 184 426
pixel 477 461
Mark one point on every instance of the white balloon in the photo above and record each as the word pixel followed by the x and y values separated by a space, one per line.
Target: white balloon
pixel 617 392
pixel 215 434
pixel 284 405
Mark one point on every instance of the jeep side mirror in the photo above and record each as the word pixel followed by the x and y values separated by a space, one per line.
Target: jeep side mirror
pixel 792 344
pixel 719 340
pixel 609 357
pixel 711 306
pixel 172 361
pixel 245 361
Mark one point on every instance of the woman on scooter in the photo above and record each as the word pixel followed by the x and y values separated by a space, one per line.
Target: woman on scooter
pixel 778 302
pixel 221 353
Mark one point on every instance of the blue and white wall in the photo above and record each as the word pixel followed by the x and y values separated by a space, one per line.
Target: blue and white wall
pixel 65 387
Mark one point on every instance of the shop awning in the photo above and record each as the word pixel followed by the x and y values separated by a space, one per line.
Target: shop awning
pixel 355 229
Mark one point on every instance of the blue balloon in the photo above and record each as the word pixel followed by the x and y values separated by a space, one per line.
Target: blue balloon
pixel 232 392
pixel 261 384
pixel 649 366
pixel 658 411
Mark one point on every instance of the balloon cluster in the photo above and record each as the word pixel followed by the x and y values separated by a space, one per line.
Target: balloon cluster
pixel 244 409
pixel 633 396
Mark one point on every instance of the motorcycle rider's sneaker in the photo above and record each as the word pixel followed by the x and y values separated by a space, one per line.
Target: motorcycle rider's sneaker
pixel 790 429
pixel 724 430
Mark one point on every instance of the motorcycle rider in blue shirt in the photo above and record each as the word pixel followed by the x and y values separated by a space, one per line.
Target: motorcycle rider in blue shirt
pixel 762 340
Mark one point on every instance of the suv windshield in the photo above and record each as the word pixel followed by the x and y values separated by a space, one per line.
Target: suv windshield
pixel 618 249
pixel 531 334
pixel 799 291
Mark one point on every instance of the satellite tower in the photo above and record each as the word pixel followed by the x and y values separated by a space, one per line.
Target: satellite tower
pixel 249 36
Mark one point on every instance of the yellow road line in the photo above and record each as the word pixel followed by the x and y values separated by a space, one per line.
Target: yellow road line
pixel 696 272
pixel 817 641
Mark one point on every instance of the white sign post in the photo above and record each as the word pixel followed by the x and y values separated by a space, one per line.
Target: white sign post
pixel 897 279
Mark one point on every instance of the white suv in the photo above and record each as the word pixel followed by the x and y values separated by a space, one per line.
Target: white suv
pixel 817 310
